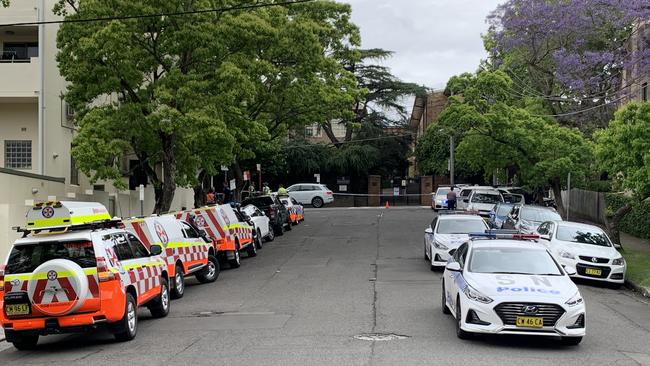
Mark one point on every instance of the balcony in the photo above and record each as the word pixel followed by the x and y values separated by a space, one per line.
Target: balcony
pixel 20 79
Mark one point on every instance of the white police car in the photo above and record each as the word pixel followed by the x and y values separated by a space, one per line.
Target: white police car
pixel 446 233
pixel 507 286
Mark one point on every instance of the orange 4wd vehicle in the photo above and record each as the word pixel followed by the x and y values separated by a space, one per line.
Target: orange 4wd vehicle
pixel 185 252
pixel 75 270
pixel 229 232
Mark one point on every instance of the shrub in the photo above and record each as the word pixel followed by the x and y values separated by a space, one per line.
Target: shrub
pixel 637 222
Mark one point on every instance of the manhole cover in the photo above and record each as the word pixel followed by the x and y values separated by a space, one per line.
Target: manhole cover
pixel 380 337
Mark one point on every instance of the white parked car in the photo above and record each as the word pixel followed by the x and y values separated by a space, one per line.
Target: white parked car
pixel 313 194
pixel 526 219
pixel 446 233
pixel 261 222
pixel 439 198
pixel 586 248
pixel 506 286
pixel 482 201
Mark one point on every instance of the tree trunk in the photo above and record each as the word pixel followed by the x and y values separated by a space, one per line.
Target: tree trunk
pixel 200 189
pixel 327 127
pixel 239 180
pixel 163 204
pixel 557 192
pixel 614 224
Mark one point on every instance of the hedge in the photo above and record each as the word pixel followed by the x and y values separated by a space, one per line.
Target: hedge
pixel 637 221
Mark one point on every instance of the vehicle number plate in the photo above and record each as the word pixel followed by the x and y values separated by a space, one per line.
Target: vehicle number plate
pixel 594 272
pixel 17 309
pixel 530 322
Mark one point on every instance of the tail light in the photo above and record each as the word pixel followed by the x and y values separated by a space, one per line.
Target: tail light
pixel 2 278
pixel 329 193
pixel 103 273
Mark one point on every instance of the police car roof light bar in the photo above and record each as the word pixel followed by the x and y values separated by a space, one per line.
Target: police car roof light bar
pixel 457 212
pixel 503 234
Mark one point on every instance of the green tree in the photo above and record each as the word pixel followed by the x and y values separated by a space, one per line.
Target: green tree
pixel 623 150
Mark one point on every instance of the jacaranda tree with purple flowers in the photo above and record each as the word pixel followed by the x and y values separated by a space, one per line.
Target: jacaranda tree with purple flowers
pixel 569 53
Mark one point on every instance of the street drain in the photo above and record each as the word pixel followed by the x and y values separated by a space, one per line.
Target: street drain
pixel 380 337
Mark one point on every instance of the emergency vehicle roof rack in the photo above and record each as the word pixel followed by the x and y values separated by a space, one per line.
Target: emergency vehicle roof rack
pixel 503 234
pixel 114 223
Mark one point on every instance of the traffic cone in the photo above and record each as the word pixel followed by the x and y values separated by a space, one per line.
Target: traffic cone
pixel 387 205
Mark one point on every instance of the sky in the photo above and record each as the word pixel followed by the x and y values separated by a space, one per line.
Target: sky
pixel 432 39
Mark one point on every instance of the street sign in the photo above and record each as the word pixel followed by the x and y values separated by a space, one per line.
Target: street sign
pixel 259 167
pixel 141 189
pixel 233 184
pixel 224 168
pixel 343 188
pixel 396 191
pixel 403 182
pixel 247 175
pixel 317 176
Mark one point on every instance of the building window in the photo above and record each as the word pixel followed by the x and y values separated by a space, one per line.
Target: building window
pixel 18 154
pixel 309 131
pixel 19 52
pixel 74 172
pixel 644 92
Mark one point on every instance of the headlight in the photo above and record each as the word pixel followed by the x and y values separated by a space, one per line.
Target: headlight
pixel 567 255
pixel 618 262
pixel 475 295
pixel 575 300
pixel 439 245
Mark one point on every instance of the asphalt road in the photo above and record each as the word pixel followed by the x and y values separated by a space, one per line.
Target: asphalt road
pixel 342 273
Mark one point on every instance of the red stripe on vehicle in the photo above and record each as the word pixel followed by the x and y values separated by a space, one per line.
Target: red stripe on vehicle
pixel 216 223
pixel 38 291
pixel 66 285
pixel 92 286
pixel 138 230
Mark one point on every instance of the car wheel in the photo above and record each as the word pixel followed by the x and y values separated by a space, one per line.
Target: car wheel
pixel 128 325
pixel 25 342
pixel 271 235
pixel 179 283
pixel 236 261
pixel 571 341
pixel 258 240
pixel 251 249
pixel 159 307
pixel 211 271
pixel 460 333
pixel 445 309
pixel 279 230
pixel 317 202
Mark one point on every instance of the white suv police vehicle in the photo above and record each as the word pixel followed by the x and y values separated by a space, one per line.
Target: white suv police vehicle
pixel 499 285
pixel 76 270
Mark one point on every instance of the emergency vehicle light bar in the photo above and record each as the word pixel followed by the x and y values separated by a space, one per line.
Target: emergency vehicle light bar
pixel 95 225
pixel 457 212
pixel 503 234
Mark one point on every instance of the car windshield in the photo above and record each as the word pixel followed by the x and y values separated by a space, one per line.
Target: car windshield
pixel 461 226
pixel 259 201
pixel 249 210
pixel 583 236
pixel 486 198
pixel 526 261
pixel 442 191
pixel 503 210
pixel 285 201
pixel 539 214
pixel 26 258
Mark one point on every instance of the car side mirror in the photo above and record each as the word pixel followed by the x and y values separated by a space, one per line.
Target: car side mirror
pixel 545 237
pixel 155 250
pixel 618 246
pixel 570 270
pixel 428 231
pixel 454 267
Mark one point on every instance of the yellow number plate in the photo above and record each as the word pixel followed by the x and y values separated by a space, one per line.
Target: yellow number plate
pixel 17 309
pixel 593 272
pixel 530 322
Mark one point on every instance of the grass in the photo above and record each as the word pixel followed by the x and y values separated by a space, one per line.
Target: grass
pixel 638 266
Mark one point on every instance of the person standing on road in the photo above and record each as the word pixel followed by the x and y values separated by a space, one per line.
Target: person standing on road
pixel 451 199
pixel 282 192
pixel 266 190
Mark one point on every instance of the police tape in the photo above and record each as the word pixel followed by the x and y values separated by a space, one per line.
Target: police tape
pixel 383 195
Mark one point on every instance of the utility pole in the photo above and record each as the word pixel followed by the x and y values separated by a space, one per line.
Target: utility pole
pixel 451 160
pixel 568 197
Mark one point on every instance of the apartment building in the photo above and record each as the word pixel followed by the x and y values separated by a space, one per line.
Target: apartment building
pixel 635 80
pixel 426 111
pixel 37 126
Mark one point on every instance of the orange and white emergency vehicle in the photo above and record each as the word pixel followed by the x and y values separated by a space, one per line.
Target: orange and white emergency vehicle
pixel 228 233
pixel 184 251
pixel 296 211
pixel 75 269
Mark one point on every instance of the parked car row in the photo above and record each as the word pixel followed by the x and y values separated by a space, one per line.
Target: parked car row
pixel 76 269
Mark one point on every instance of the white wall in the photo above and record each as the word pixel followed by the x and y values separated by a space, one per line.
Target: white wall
pixel 19 121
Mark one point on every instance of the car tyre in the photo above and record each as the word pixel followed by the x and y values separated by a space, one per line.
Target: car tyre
pixel 251 250
pixel 460 333
pixel 426 256
pixel 571 341
pixel 128 325
pixel 288 226
pixel 258 240
pixel 271 236
pixel 25 342
pixel 445 308
pixel 159 307
pixel 279 230
pixel 211 271
pixel 317 202
pixel 179 283
pixel 236 261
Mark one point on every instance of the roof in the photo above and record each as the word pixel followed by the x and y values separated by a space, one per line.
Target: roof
pixel 66 236
pixel 506 243
pixel 460 216
pixel 576 224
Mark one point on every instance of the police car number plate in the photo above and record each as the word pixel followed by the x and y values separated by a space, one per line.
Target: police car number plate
pixel 593 272
pixel 530 322
pixel 17 309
